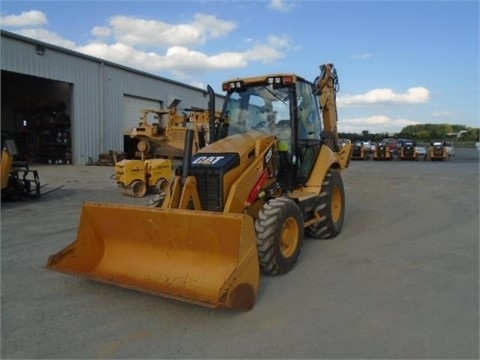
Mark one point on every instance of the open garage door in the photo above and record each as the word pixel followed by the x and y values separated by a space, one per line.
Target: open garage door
pixel 133 107
pixel 36 113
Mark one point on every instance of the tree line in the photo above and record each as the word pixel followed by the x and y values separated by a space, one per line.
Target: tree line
pixel 420 132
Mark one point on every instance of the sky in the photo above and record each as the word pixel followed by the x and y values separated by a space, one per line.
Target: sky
pixel 399 63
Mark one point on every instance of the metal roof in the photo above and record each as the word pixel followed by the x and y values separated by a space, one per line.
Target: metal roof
pixel 11 35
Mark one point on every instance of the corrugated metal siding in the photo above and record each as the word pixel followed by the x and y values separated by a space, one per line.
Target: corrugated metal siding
pixel 98 91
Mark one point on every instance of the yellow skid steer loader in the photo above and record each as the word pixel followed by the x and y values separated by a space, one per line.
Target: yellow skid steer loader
pixel 238 206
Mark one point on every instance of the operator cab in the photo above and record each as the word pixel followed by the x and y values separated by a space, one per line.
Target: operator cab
pixel 280 105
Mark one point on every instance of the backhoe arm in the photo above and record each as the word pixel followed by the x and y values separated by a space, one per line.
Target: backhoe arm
pixel 326 87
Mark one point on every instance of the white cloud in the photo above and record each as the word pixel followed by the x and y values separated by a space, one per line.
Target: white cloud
pixel 156 46
pixel 141 32
pixel 101 31
pixel 374 124
pixel 152 45
pixel 213 27
pixel 118 51
pixel 443 114
pixel 178 59
pixel 361 56
pixel 269 50
pixel 181 58
pixel 414 95
pixel 228 60
pixel 281 5
pixel 48 37
pixel 30 18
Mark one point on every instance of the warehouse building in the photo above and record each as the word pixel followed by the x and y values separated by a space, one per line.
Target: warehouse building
pixel 66 107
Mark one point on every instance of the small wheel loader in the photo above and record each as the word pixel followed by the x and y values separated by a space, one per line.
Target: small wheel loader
pixel 237 207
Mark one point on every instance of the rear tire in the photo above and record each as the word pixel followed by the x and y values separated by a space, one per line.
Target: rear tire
pixel 330 208
pixel 279 228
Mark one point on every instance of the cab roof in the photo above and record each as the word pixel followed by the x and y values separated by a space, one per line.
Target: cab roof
pixel 263 79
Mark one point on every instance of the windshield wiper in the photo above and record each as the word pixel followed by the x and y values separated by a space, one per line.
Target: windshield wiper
pixel 275 95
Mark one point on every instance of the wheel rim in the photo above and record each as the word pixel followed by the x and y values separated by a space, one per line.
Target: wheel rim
pixel 289 238
pixel 139 189
pixel 336 205
pixel 143 146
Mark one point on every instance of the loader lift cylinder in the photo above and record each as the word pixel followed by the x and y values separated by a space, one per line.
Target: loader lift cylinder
pixel 187 159
pixel 211 113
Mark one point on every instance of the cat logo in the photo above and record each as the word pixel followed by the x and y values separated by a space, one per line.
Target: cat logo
pixel 207 160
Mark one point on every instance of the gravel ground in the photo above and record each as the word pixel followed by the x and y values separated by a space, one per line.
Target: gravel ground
pixel 400 281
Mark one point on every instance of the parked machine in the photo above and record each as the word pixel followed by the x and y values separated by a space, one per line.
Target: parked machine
pixel 393 145
pixel 382 151
pixel 437 151
pixel 161 145
pixel 241 204
pixel 18 180
pixel 359 151
pixel 166 138
pixel 136 177
pixel 408 151
pixel 450 149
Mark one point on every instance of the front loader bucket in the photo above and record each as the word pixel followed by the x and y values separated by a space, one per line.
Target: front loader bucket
pixel 199 257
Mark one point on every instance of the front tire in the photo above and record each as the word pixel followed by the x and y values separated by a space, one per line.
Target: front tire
pixel 330 208
pixel 279 228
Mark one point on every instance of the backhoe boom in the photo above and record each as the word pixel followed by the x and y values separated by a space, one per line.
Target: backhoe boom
pixel 326 87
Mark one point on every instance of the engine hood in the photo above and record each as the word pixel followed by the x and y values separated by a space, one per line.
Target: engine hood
pixel 245 146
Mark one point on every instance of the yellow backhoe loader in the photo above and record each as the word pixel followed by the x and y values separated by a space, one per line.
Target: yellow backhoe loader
pixel 238 206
